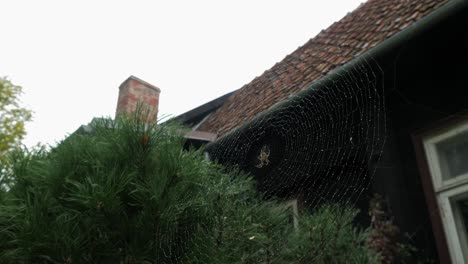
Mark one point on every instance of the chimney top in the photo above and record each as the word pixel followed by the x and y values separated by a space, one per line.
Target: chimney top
pixel 133 91
pixel 147 84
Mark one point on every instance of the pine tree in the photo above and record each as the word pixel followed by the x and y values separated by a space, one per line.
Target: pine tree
pixel 127 192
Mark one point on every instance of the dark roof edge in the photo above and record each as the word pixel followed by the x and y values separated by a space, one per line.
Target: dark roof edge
pixel 418 27
pixel 211 105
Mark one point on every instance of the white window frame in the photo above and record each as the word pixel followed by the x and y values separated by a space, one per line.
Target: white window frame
pixel 448 192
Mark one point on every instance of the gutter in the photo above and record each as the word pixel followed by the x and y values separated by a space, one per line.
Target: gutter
pixel 419 27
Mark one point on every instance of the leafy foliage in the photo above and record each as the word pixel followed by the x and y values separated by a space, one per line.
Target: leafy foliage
pixel 328 236
pixel 386 238
pixel 12 116
pixel 128 193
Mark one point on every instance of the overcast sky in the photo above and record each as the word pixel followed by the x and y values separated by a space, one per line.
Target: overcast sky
pixel 70 57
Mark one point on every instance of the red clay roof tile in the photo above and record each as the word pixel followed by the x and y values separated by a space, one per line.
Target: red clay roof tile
pixel 354 34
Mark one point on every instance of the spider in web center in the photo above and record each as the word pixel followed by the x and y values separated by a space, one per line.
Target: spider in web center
pixel 263 157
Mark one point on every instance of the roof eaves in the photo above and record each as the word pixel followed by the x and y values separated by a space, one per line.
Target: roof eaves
pixel 205 108
pixel 200 135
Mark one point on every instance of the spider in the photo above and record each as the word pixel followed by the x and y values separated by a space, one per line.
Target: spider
pixel 263 157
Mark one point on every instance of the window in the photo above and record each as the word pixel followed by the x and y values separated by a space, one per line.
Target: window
pixel 447 156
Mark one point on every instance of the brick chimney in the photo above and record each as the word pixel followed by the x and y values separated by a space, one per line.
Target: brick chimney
pixel 132 91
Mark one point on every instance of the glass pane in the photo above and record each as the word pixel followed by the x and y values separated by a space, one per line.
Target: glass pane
pixel 453 156
pixel 463 228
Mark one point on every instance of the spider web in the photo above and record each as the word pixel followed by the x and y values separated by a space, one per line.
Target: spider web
pixel 317 144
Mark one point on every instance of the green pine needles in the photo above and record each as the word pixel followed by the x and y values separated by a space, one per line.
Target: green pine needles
pixel 127 192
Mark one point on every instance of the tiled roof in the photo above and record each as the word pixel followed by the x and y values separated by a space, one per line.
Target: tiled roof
pixel 357 32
